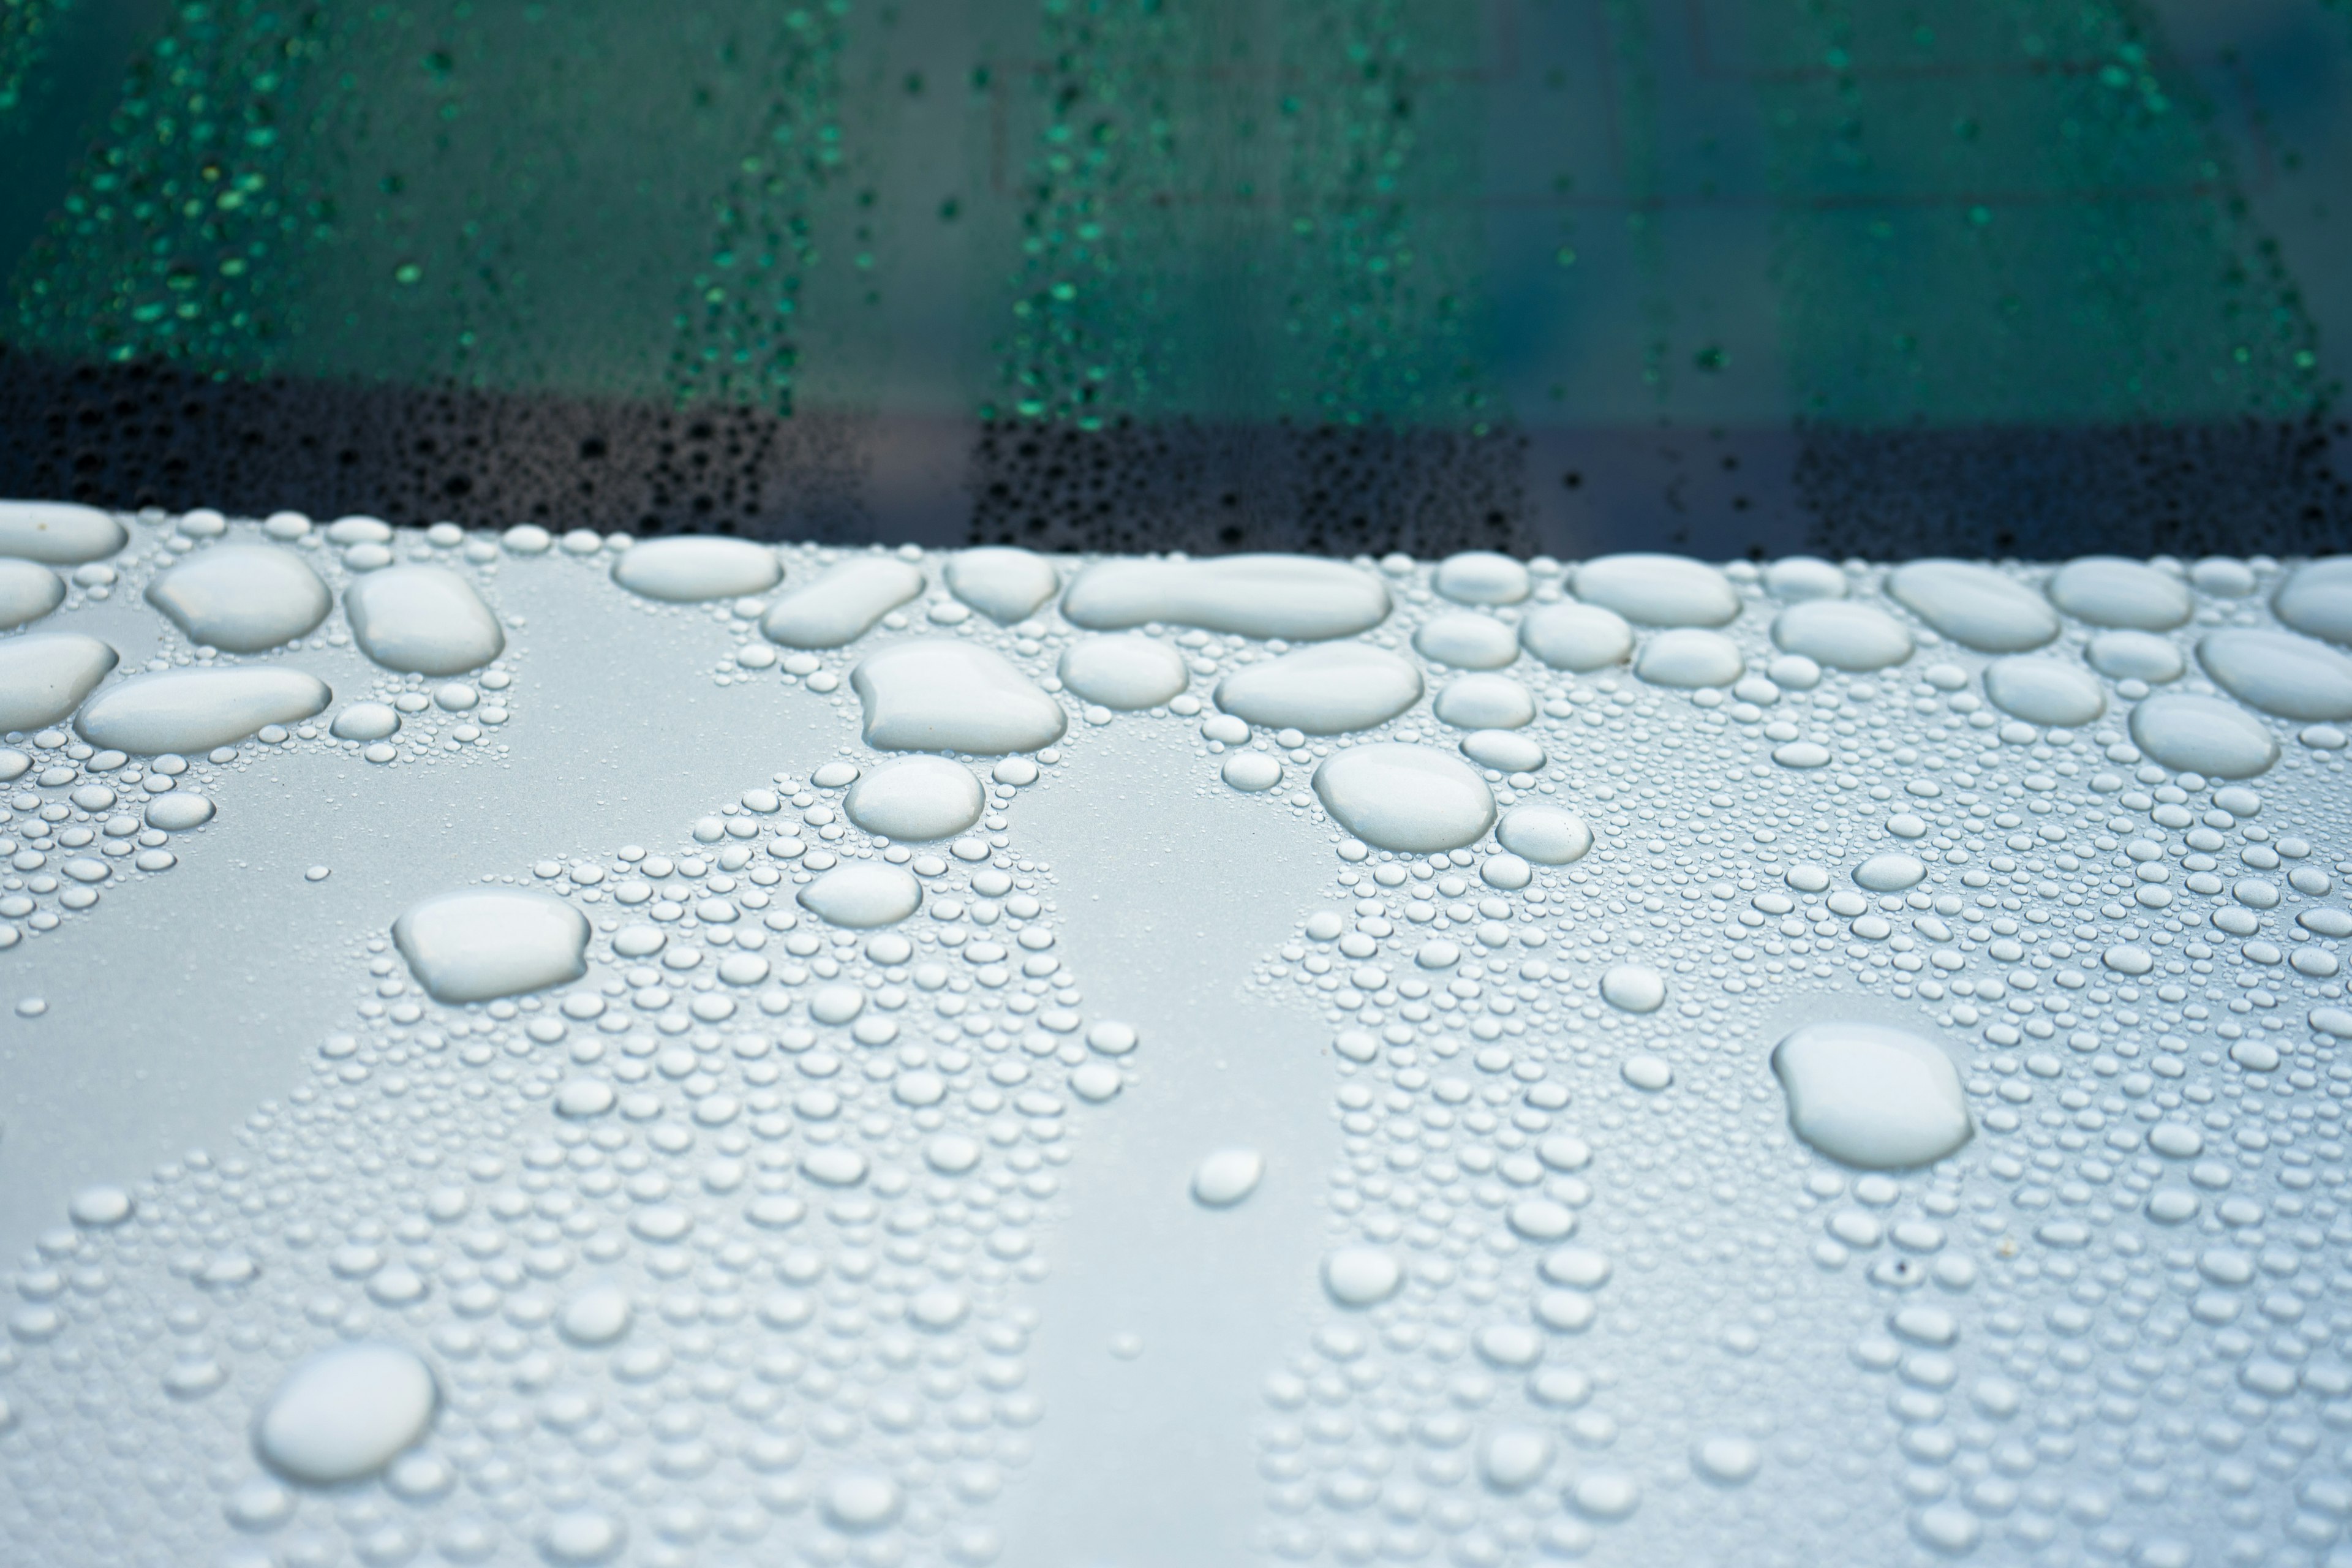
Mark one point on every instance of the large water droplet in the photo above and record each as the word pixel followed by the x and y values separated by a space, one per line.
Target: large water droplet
pixel 44 676
pixel 1871 1096
pixel 937 695
pixel 2135 656
pixel 1687 657
pixel 916 799
pixel 196 710
pixel 242 598
pixel 1361 1276
pixel 2279 672
pixel 346 1412
pixel 1322 690
pixel 1975 605
pixel 1659 590
pixel 2109 590
pixel 1293 596
pixel 1003 584
pixel 59 532
pixel 844 605
pixel 2203 734
pixel 1484 702
pixel 1125 673
pixel 480 943
pixel 1634 988
pixel 1577 636
pixel 423 620
pixel 1481 577
pixel 27 592
pixel 1842 635
pixel 2045 690
pixel 1466 641
pixel 2318 599
pixel 697 567
pixel 1228 1176
pixel 863 894
pixel 1544 834
pixel 1404 797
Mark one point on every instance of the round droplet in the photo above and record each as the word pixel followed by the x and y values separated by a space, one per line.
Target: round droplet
pixel 1227 1176
pixel 1361 1276
pixel 580 1538
pixel 1514 1458
pixel 597 1315
pixel 1577 636
pixel 2318 600
pixel 1659 590
pixel 1544 834
pixel 1503 751
pixel 1889 873
pixel 863 894
pixel 1251 771
pixel 2279 672
pixel 2203 734
pixel 100 1209
pixel 2135 656
pixel 916 799
pixel 486 942
pixel 1003 584
pixel 1634 988
pixel 59 533
pixel 697 567
pixel 27 592
pixel 1842 635
pixel 242 598
pixel 2109 591
pixel 1975 605
pixel 1796 579
pixel 422 620
pixel 1647 1073
pixel 1329 690
pixel 1409 798
pixel 1481 577
pixel 346 1412
pixel 1484 702
pixel 2045 692
pixel 365 721
pixel 1727 1461
pixel 861 1501
pixel 1124 673
pixel 179 810
pixel 1466 641
pixel 1687 657
pixel 1870 1096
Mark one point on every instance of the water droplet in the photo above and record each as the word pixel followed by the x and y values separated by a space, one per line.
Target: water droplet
pixel 2109 590
pixel 101 1208
pixel 1871 1096
pixel 1124 673
pixel 59 533
pixel 1514 1458
pixel 1889 873
pixel 2203 734
pixel 242 598
pixel 1974 606
pixel 2045 692
pixel 597 1315
pixel 1361 1276
pixel 1481 577
pixel 1794 579
pixel 844 605
pixel 934 695
pixel 2279 673
pixel 1688 657
pixel 1409 798
pixel 196 710
pixel 479 944
pixel 179 810
pixel 1842 635
pixel 44 676
pixel 1466 641
pixel 916 799
pixel 1484 702
pixel 1251 771
pixel 1503 751
pixel 1579 637
pixel 1634 988
pixel 27 592
pixel 1295 597
pixel 422 620
pixel 861 1502
pixel 1227 1176
pixel 346 1412
pixel 2318 600
pixel 580 1538
pixel 1727 1461
pixel 1322 690
pixel 863 894
pixel 1545 835
pixel 1003 584
pixel 2135 656
pixel 1659 590
pixel 696 568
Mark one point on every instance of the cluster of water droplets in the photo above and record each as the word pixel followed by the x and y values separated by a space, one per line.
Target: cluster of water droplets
pixel 1832 1063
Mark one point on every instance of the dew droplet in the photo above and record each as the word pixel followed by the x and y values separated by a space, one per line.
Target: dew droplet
pixel 2109 590
pixel 936 695
pixel 242 598
pixel 1361 1276
pixel 1413 799
pixel 696 568
pixel 1842 635
pixel 1227 1176
pixel 346 1412
pixel 1484 702
pixel 27 592
pixel 44 676
pixel 481 943
pixel 916 799
pixel 1293 596
pixel 1544 834
pixel 1003 584
pixel 1688 657
pixel 2317 600
pixel 1322 690
pixel 1124 673
pixel 422 620
pixel 2203 734
pixel 2279 672
pixel 844 605
pixel 2045 690
pixel 863 894
pixel 1579 637
pixel 196 710
pixel 1481 577
pixel 1634 988
pixel 1466 641
pixel 1659 590
pixel 1974 606
pixel 59 533
pixel 1870 1096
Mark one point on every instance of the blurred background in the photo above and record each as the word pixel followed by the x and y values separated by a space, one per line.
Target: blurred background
pixel 1873 277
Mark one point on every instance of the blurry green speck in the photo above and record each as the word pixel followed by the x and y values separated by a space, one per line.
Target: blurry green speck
pixel 407 272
